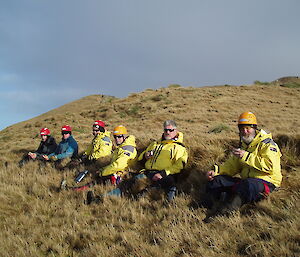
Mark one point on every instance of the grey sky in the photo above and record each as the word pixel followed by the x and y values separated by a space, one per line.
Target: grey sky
pixel 53 52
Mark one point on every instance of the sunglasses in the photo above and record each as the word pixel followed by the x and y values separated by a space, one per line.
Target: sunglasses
pixel 118 136
pixel 245 127
pixel 65 132
pixel 96 130
pixel 170 130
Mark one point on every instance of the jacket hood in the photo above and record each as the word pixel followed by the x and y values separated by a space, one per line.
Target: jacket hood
pixel 261 135
pixel 130 140
pixel 104 134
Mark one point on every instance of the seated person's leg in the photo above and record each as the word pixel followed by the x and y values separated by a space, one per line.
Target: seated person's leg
pixel 219 184
pixel 250 190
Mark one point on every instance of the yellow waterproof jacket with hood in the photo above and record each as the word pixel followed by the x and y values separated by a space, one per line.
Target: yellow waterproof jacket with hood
pixel 261 160
pixel 123 157
pixel 168 155
pixel 101 146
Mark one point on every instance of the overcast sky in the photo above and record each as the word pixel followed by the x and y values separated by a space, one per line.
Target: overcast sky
pixel 56 51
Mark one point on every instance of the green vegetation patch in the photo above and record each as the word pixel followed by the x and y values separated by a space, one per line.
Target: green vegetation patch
pixel 219 128
pixel 257 82
pixel 174 86
pixel 291 85
pixel 157 98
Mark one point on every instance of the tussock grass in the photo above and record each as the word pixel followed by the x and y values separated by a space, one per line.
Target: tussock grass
pixel 291 85
pixel 37 219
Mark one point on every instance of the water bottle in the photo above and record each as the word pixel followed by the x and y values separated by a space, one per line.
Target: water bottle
pixel 81 175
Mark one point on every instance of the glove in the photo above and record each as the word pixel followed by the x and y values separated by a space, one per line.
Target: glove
pixel 53 158
pixel 84 157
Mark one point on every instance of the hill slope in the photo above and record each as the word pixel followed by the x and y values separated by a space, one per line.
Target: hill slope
pixel 37 220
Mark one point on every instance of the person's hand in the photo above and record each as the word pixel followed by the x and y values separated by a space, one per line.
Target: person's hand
pixel 46 157
pixel 53 158
pixel 148 155
pixel 99 172
pixel 239 153
pixel 32 155
pixel 157 177
pixel 210 175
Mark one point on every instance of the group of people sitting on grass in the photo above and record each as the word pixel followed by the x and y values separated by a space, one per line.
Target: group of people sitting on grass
pixel 249 175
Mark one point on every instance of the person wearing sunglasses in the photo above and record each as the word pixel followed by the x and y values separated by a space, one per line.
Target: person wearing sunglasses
pixel 163 161
pixel 123 156
pixel 256 161
pixel 47 146
pixel 67 148
pixel 101 145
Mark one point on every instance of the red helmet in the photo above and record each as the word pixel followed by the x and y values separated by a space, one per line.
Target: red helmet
pixel 45 131
pixel 98 123
pixel 66 128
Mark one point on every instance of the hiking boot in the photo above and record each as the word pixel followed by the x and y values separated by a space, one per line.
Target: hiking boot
pixel 234 204
pixel 171 194
pixel 90 198
pixel 22 163
pixel 63 185
pixel 207 202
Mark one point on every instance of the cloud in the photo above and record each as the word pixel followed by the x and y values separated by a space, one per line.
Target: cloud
pixel 119 47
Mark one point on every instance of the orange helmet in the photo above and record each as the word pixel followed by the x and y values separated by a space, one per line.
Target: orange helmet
pixel 247 118
pixel 45 132
pixel 66 128
pixel 120 130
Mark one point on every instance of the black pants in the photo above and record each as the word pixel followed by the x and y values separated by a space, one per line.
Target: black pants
pixel 166 182
pixel 250 189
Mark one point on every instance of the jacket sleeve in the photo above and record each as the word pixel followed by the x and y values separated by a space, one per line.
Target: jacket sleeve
pixel 89 149
pixel 149 148
pixel 230 167
pixel 68 153
pixel 179 160
pixel 265 159
pixel 120 164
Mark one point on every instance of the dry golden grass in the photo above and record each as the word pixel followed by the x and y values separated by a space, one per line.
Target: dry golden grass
pixel 37 220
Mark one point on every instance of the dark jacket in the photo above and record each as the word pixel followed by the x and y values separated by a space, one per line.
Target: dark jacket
pixel 47 147
pixel 66 148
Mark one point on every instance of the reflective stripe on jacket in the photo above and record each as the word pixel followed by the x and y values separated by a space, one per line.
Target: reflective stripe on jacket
pixel 101 146
pixel 168 155
pixel 261 160
pixel 122 158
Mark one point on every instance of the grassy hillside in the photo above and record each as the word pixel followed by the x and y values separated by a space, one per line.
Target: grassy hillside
pixel 37 220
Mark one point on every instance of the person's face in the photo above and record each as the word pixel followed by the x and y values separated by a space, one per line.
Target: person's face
pixel 95 131
pixel 169 132
pixel 44 138
pixel 247 133
pixel 119 139
pixel 65 135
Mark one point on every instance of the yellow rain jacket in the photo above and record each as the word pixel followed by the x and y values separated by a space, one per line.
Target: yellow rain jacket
pixel 101 146
pixel 168 155
pixel 261 160
pixel 122 158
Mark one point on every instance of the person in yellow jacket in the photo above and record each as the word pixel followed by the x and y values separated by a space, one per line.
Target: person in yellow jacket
pixel 164 160
pixel 123 156
pixel 101 145
pixel 257 161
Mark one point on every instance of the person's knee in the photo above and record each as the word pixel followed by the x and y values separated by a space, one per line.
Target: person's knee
pixel 249 189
